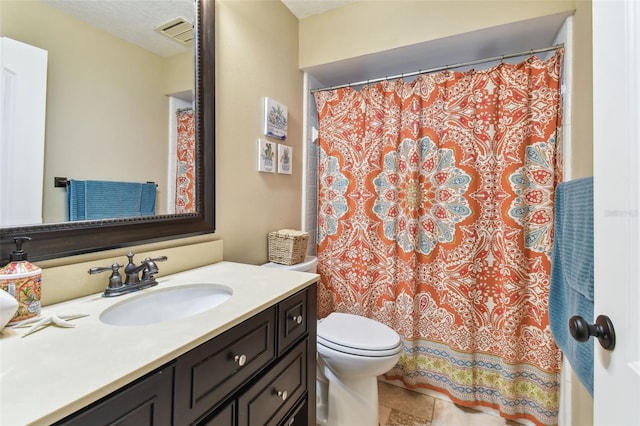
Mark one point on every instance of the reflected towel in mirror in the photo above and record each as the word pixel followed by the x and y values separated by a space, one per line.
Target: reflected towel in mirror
pixel 97 199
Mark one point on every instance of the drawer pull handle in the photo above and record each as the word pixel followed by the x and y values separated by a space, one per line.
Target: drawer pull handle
pixel 240 359
pixel 297 318
pixel 283 395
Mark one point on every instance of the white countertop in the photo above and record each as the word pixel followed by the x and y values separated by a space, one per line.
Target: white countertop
pixel 56 371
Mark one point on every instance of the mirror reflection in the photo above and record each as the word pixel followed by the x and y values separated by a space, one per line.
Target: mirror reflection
pixel 109 105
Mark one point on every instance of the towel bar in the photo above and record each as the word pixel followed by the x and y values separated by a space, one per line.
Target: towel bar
pixel 63 182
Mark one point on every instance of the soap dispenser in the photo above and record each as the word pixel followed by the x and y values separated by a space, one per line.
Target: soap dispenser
pixel 22 280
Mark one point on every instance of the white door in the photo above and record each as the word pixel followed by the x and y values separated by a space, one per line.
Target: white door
pixel 616 107
pixel 23 93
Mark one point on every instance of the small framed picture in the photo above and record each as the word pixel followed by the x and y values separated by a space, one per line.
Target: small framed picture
pixel 285 159
pixel 266 156
pixel 275 119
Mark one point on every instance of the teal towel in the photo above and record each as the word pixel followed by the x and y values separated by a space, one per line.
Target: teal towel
pixel 571 289
pixel 96 199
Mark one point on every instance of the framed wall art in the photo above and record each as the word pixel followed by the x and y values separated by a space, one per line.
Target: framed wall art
pixel 266 156
pixel 285 159
pixel 275 119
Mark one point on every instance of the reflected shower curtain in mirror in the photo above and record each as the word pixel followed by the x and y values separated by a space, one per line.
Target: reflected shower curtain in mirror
pixel 185 164
pixel 435 217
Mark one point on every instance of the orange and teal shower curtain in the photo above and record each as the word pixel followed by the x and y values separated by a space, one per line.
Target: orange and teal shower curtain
pixel 186 162
pixel 435 217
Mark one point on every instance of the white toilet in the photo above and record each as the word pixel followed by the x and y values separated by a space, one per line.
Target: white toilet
pixel 352 352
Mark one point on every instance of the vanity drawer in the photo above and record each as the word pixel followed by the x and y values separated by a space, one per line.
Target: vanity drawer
pixel 271 398
pixel 292 320
pixel 210 372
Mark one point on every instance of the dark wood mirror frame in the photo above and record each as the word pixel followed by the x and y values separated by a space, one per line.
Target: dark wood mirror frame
pixel 69 238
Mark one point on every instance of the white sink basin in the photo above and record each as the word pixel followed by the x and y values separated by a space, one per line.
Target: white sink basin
pixel 162 305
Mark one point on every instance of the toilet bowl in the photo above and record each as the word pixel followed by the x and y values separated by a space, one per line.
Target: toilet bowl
pixel 352 351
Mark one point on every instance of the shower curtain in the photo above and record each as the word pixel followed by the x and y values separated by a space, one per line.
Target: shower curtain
pixel 185 164
pixel 435 217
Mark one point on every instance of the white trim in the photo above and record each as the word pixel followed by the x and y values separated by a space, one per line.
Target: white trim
pixel 633 105
pixel 568 410
pixel 566 36
pixel 305 149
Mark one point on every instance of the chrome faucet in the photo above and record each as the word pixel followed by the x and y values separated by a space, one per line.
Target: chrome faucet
pixel 133 281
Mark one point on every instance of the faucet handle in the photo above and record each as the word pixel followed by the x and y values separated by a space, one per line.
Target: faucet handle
pixel 150 267
pixel 115 280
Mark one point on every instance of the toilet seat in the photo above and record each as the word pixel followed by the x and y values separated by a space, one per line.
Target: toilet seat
pixel 357 335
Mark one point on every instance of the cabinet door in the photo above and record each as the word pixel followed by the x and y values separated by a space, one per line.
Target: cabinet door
pixel 292 320
pixel 273 396
pixel 146 402
pixel 298 417
pixel 224 417
pixel 206 375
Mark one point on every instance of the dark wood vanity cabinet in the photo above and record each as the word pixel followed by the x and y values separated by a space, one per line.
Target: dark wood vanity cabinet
pixel 260 372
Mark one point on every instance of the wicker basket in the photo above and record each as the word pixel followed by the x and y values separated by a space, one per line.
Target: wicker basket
pixel 288 246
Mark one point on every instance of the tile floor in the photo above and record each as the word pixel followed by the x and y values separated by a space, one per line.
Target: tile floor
pixel 402 407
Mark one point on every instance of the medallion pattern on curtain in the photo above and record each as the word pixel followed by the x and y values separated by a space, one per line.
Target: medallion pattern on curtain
pixel 185 165
pixel 435 217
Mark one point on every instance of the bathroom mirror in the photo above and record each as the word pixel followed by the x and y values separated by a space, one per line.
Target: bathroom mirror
pixel 69 238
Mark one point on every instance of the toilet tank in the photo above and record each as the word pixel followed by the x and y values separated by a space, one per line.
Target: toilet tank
pixel 310 264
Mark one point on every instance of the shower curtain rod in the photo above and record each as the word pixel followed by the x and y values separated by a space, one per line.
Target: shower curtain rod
pixel 463 64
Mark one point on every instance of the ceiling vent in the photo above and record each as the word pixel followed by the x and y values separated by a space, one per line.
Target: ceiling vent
pixel 179 30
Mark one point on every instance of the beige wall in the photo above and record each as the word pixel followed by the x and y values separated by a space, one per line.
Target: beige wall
pixel 582 102
pixel 106 106
pixel 179 73
pixel 375 26
pixel 256 56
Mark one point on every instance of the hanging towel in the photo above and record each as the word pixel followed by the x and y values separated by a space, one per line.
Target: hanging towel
pixel 97 199
pixel 571 291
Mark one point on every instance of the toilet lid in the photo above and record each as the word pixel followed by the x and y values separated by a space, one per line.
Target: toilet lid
pixel 342 331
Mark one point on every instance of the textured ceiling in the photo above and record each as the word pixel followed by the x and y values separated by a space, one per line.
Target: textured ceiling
pixel 304 8
pixel 132 20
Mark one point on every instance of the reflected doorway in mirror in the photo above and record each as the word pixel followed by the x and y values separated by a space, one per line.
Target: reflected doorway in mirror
pixel 23 95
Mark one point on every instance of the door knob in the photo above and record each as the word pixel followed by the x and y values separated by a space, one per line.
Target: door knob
pixel 581 330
